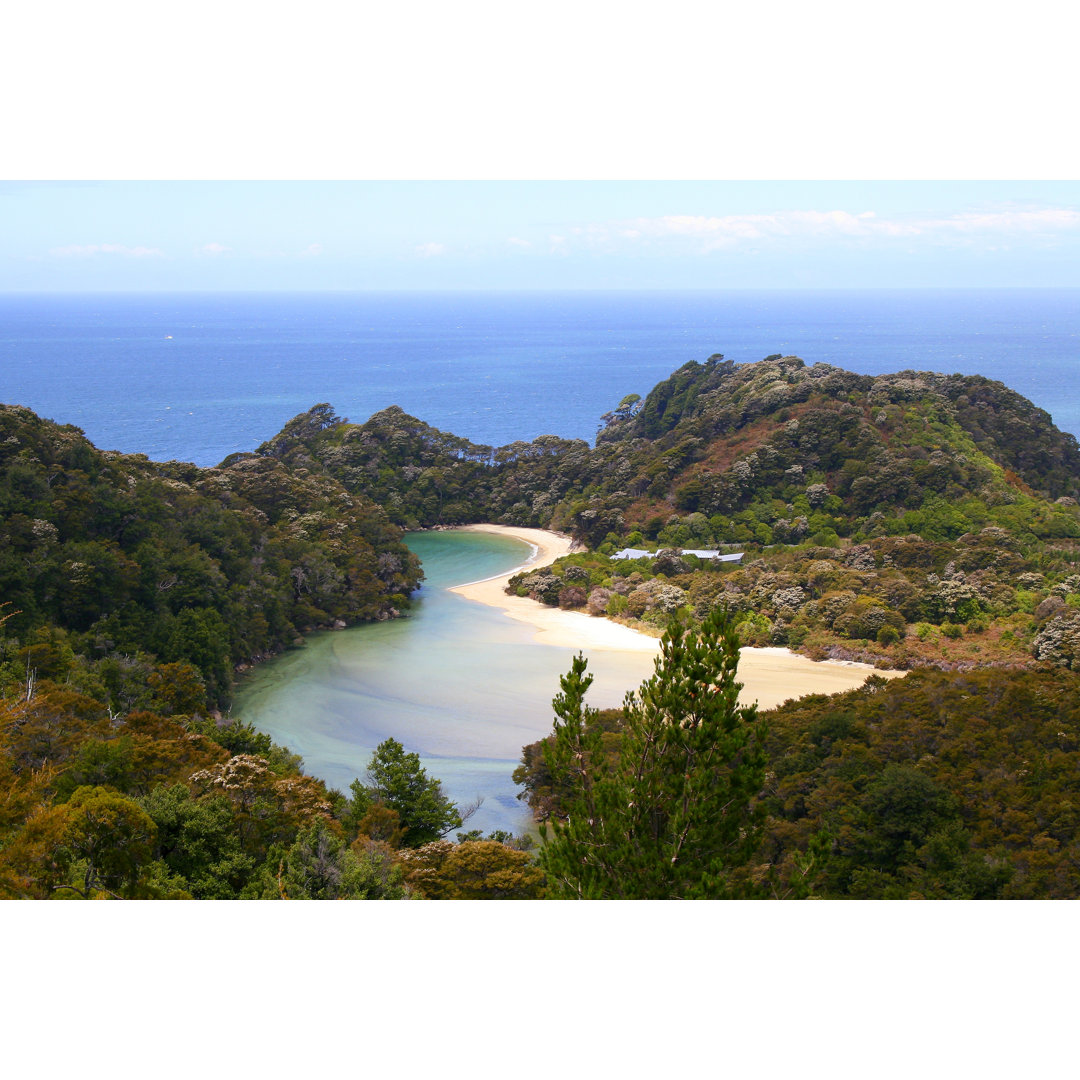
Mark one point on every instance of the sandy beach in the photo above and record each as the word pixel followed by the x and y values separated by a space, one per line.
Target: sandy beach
pixel 769 676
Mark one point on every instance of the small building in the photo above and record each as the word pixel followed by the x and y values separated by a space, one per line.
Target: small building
pixel 639 553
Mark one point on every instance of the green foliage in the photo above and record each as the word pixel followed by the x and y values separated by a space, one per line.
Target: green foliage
pixel 106 839
pixel 473 870
pixel 670 815
pixel 97 763
pixel 198 841
pixel 936 785
pixel 236 736
pixel 397 780
pixel 319 866
pixel 202 568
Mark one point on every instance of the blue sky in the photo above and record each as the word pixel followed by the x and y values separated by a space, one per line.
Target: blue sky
pixel 254 235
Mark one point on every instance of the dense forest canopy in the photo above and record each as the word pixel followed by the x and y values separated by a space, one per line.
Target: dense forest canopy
pixel 715 439
pixel 213 566
pixel 913 520
pixel 940 785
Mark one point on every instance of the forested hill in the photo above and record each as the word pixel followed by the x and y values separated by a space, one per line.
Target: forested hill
pixel 718 398
pixel 109 554
pixel 716 437
pixel 719 439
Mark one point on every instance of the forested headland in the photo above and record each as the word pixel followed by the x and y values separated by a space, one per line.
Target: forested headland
pixel 918 521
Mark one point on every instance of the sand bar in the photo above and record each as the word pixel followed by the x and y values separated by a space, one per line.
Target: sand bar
pixel 769 676
pixel 570 629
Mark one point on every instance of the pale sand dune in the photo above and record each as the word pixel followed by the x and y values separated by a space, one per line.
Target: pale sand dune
pixel 769 676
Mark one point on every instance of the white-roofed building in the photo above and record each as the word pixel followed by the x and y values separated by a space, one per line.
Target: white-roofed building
pixel 640 553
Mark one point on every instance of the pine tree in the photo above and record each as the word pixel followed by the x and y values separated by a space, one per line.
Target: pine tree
pixel 396 779
pixel 670 813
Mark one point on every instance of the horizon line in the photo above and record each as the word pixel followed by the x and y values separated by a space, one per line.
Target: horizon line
pixel 542 289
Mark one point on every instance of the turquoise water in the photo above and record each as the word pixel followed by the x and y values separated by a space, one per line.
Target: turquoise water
pixel 457 682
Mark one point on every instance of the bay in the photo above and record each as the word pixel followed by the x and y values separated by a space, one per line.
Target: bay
pixel 457 682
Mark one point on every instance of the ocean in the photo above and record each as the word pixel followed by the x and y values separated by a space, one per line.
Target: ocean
pixel 197 377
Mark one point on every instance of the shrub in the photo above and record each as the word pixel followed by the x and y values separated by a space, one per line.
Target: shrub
pixel 754 630
pixel 599 601
pixel 573 596
pixel 1059 641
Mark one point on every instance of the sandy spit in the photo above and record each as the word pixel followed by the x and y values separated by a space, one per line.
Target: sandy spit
pixel 570 629
pixel 769 676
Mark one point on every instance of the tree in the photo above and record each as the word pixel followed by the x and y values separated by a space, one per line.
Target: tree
pixel 628 407
pixel 197 840
pixel 179 687
pixel 473 870
pixel 671 813
pixel 488 870
pixel 106 840
pixel 319 866
pixel 397 780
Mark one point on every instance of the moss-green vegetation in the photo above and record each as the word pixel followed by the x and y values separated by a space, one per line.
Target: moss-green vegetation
pixel 666 810
pixel 118 559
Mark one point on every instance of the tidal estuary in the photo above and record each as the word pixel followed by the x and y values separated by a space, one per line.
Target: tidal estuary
pixel 457 682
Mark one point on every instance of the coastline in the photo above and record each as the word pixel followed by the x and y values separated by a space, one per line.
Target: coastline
pixel 770 676
pixel 553 626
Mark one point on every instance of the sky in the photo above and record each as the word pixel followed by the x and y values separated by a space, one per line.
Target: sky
pixel 583 145
pixel 515 234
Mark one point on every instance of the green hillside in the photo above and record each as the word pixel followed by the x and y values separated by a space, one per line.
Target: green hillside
pixel 919 521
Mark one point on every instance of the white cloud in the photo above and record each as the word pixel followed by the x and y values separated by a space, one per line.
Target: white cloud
pixel 82 251
pixel 516 241
pixel 214 249
pixel 593 236
pixel 430 251
pixel 1013 221
pixel 732 229
pixel 312 249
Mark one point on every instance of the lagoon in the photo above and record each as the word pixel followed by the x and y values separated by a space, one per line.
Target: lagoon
pixel 457 682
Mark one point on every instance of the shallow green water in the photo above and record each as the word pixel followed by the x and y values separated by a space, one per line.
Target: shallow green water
pixel 458 682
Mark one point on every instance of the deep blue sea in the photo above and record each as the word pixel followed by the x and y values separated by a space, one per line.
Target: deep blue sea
pixel 197 377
